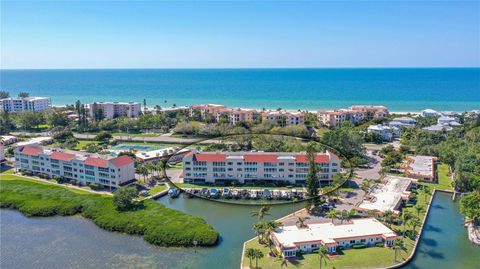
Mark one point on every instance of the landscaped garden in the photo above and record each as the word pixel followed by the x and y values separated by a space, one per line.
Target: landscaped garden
pixel 158 224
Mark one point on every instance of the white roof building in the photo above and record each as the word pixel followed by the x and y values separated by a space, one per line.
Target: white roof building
pixel 422 167
pixel 387 195
pixel 384 131
pixel 41 140
pixel 429 113
pixel 8 139
pixel 24 104
pixel 368 231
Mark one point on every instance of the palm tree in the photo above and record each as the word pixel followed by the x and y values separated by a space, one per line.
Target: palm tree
pixel 415 222
pixel 250 254
pixel 322 253
pixel 398 245
pixel 332 214
pixel 259 229
pixel 352 213
pixel 343 215
pixel 301 221
pixel 258 255
pixel 388 217
pixel 366 185
pixel 405 218
pixel 419 209
pixel 261 213
pixel 270 227
pixel 426 191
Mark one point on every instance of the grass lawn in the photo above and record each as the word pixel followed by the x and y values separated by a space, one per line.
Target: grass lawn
pixel 372 257
pixel 157 189
pixel 444 180
pixel 158 224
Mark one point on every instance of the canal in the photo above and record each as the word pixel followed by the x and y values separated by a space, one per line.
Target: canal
pixel 73 242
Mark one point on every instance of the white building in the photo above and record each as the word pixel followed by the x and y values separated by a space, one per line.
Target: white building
pixel 429 113
pixel 446 120
pixel 8 139
pixel 84 167
pixel 388 195
pixel 284 118
pixel 111 110
pixel 421 167
pixel 406 122
pixel 248 167
pixel 384 131
pixel 173 154
pixel 290 240
pixel 438 128
pixel 41 140
pixel 33 104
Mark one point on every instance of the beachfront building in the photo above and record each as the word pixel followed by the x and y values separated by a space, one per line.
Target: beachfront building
pixel 371 112
pixel 33 104
pixel 248 167
pixel 403 122
pixel 333 118
pixel 447 120
pixel 111 110
pixel 290 240
pixel 387 196
pixel 83 167
pixel 386 132
pixel 201 111
pixel 421 167
pixel 284 118
pixel 429 113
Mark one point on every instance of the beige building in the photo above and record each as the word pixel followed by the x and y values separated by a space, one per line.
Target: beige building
pixel 284 118
pixel 234 115
pixel 371 112
pixel 205 109
pixel 111 110
pixel 355 114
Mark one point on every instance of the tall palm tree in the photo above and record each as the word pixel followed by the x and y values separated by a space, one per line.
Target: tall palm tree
pixel 405 218
pixel 261 213
pixel 398 245
pixel 426 191
pixel 259 229
pixel 388 217
pixel 322 253
pixel 419 209
pixel 351 213
pixel 270 226
pixel 301 221
pixel 332 214
pixel 250 254
pixel 343 215
pixel 258 255
pixel 415 222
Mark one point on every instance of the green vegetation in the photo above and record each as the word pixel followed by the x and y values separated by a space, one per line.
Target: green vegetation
pixel 444 179
pixel 470 207
pixel 157 189
pixel 158 224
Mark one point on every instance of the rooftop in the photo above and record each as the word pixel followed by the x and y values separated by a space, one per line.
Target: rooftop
pixel 420 165
pixel 260 156
pixel 387 195
pixel 328 233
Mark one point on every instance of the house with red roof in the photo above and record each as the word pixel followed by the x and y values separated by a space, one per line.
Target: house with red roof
pixel 248 167
pixel 85 168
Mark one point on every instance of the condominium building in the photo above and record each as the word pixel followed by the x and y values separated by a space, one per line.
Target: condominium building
pixel 203 110
pixel 405 122
pixel 111 110
pixel 233 115
pixel 290 240
pixel 387 133
pixel 248 167
pixel 421 167
pixel 371 112
pixel 284 118
pixel 333 118
pixel 2 154
pixel 84 167
pixel 33 104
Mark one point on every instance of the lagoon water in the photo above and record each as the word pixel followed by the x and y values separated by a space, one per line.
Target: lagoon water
pixel 400 89
pixel 73 242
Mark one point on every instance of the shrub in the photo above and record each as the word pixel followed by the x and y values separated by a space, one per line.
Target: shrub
pixel 359 246
pixel 158 224
pixel 380 244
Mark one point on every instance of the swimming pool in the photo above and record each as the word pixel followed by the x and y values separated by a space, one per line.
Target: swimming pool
pixel 127 147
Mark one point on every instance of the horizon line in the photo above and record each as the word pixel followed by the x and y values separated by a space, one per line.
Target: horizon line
pixel 236 68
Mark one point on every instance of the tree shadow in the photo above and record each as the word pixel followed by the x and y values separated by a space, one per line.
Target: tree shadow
pixel 432 228
pixel 433 254
pixel 429 242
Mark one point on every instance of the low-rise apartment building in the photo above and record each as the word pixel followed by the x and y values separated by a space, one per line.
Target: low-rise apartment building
pixel 233 115
pixel 387 133
pixel 86 168
pixel 421 167
pixel 248 167
pixel 284 118
pixel 333 118
pixel 371 112
pixel 202 110
pixel 111 110
pixel 289 240
pixel 33 104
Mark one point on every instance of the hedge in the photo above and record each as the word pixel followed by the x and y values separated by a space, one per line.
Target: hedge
pixel 158 224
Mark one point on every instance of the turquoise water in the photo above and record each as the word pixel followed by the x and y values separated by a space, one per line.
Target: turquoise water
pixel 74 242
pixel 408 89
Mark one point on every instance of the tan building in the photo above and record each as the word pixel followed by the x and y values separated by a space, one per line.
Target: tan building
pixel 421 167
pixel 284 118
pixel 203 110
pixel 371 112
pixel 333 118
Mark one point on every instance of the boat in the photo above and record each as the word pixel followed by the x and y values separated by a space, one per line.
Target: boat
pixel 173 192
pixel 214 193
pixel 226 193
pixel 253 195
pixel 267 194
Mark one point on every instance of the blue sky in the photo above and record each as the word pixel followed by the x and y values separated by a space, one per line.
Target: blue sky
pixel 160 34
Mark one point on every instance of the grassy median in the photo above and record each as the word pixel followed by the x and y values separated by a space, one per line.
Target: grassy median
pixel 158 224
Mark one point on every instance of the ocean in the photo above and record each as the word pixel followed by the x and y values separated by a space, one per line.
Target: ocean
pixel 400 89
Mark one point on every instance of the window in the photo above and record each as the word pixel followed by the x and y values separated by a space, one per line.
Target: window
pixel 89 172
pixel 101 169
pixel 89 167
pixel 352 241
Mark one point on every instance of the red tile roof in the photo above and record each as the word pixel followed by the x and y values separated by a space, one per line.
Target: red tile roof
pixel 260 158
pixel 320 158
pixel 210 157
pixel 122 160
pixel 96 162
pixel 61 156
pixel 31 151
